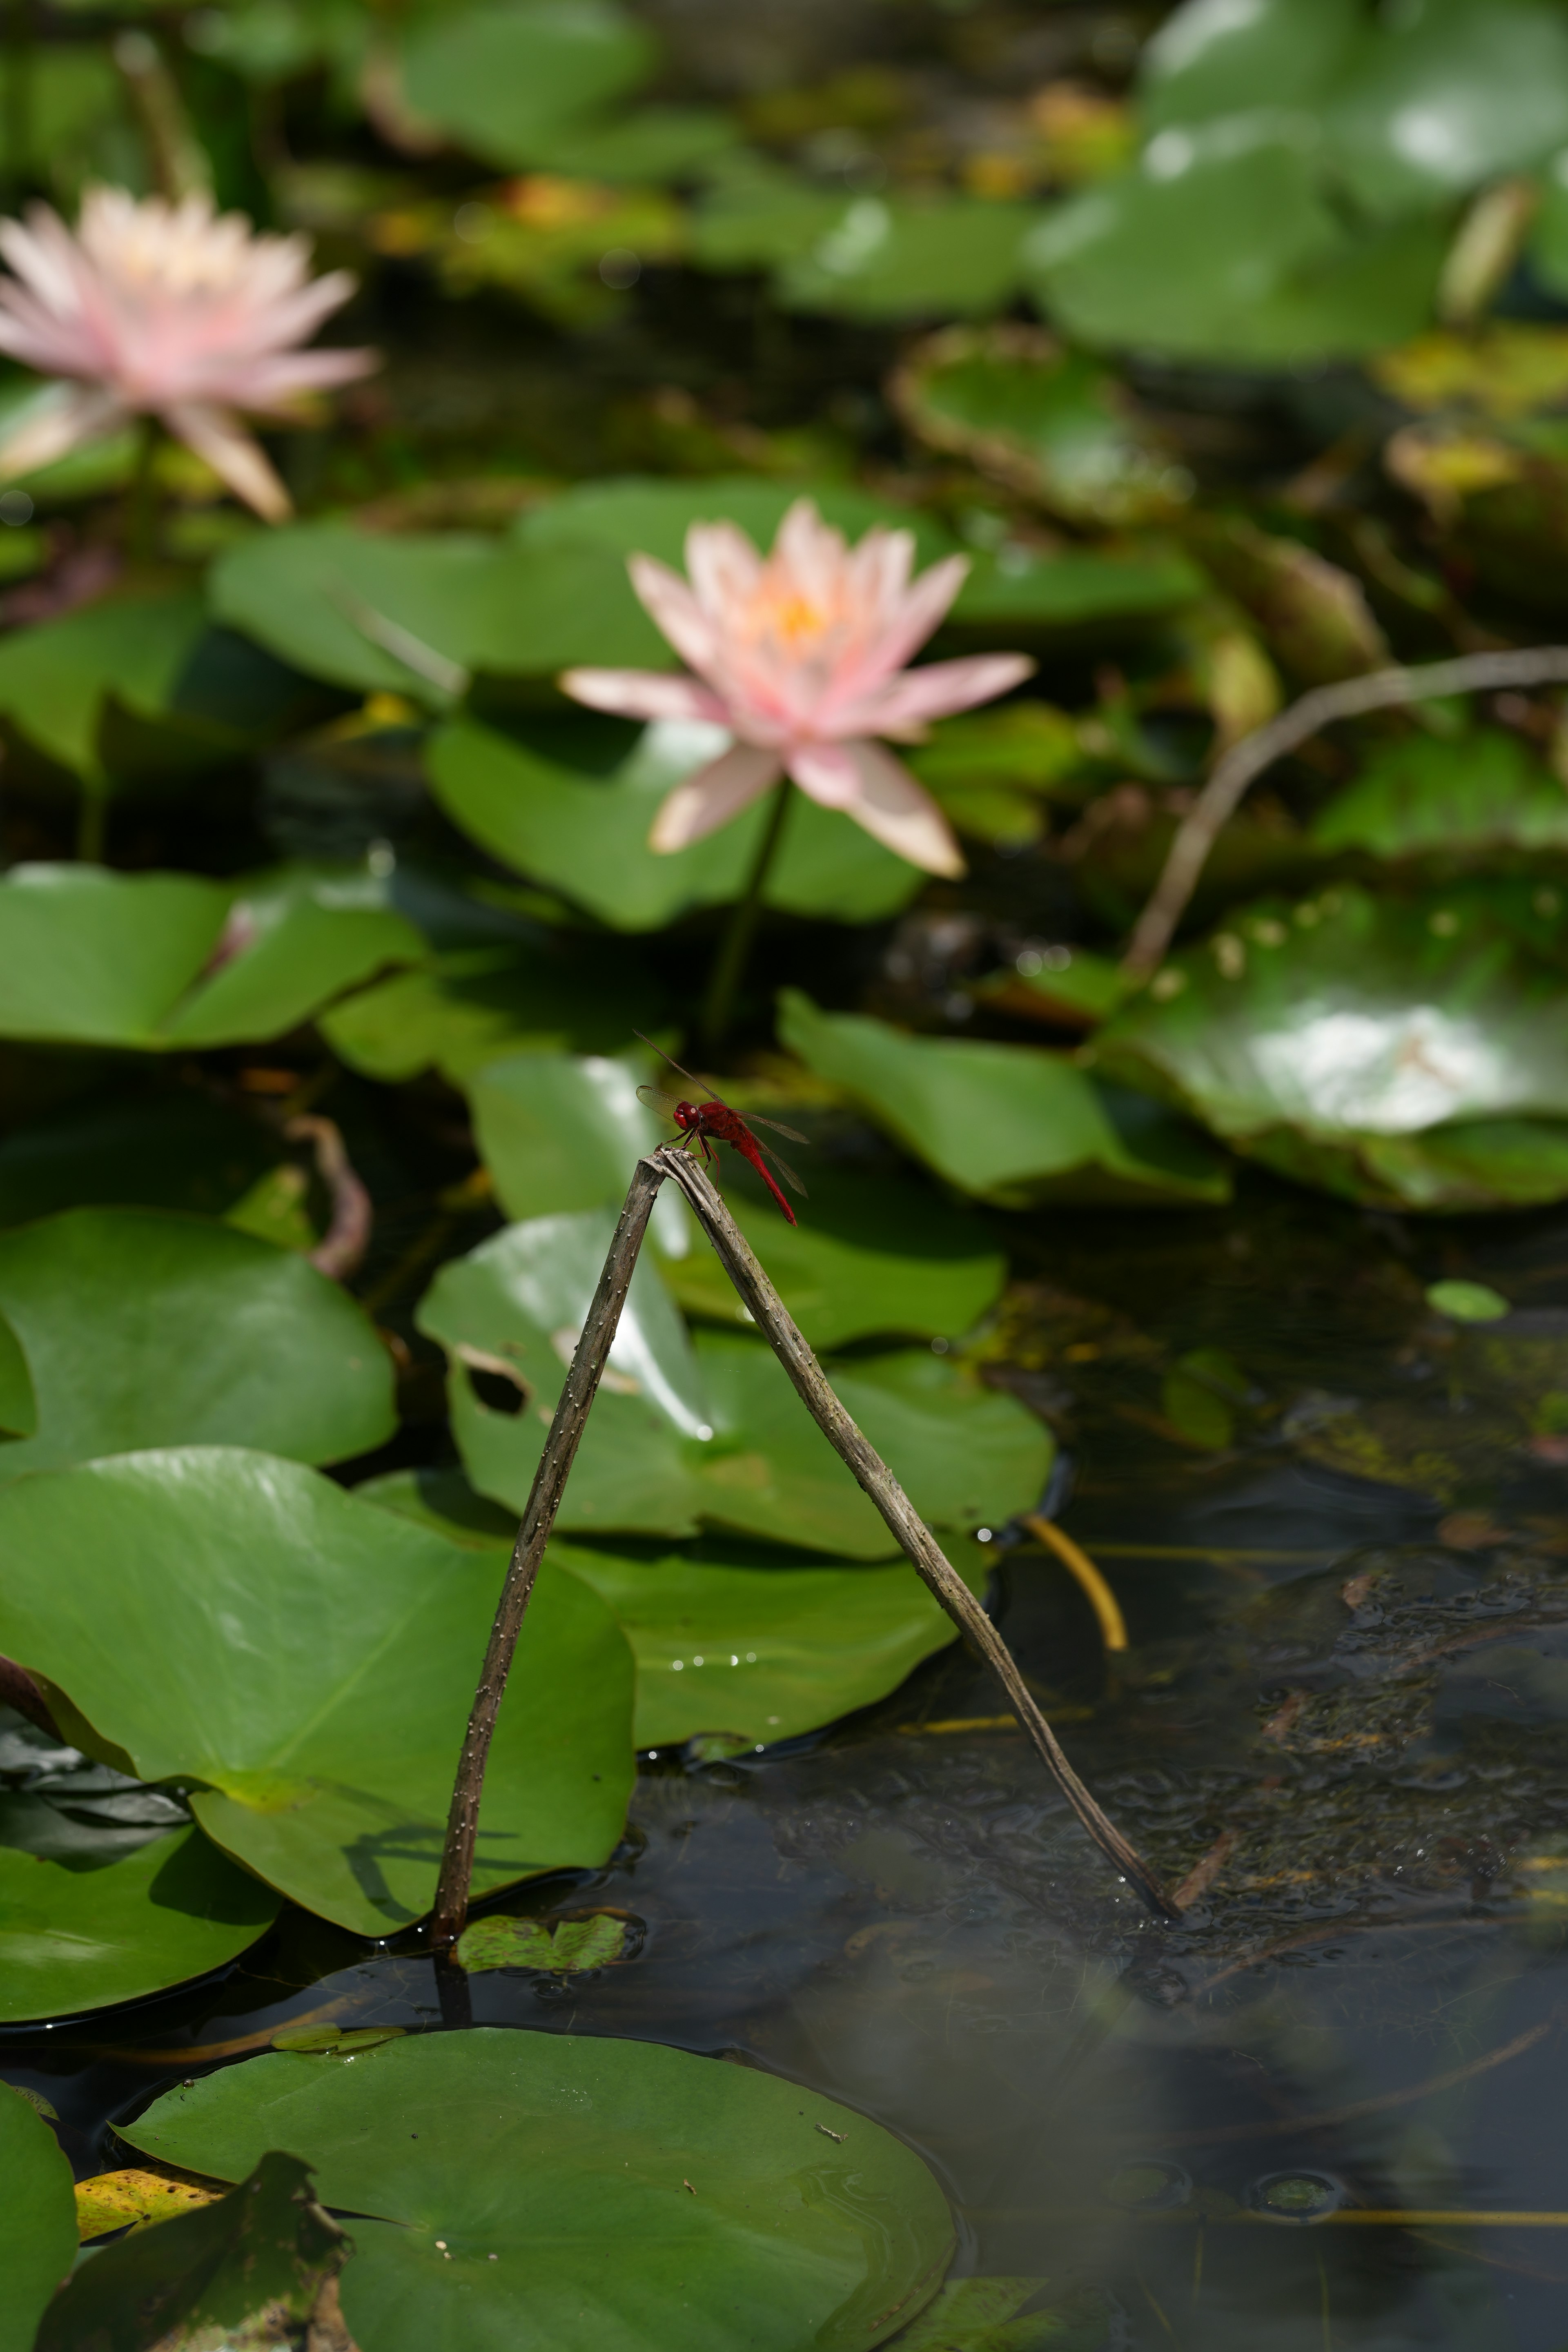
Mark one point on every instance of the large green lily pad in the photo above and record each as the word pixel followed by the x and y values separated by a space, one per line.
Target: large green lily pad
pixel 305 1664
pixel 507 80
pixel 1012 1124
pixel 727 1637
pixel 871 1256
pixel 143 1327
pixel 631 2194
pixel 38 2219
pixel 879 257
pixel 684 1432
pixel 558 1130
pixel 1222 244
pixel 1412 1052
pixel 1206 61
pixel 571 804
pixel 165 960
pixel 82 1930
pixel 1447 800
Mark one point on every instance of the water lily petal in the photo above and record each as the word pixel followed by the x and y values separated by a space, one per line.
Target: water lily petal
pixel 642 694
pixel 827 771
pixel 232 454
pixel 887 802
pixel 903 706
pixel 49 427
pixel 668 600
pixel 721 564
pixel 712 797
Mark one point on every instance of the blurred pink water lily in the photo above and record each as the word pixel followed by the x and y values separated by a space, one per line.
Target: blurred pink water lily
pixel 170 311
pixel 801 655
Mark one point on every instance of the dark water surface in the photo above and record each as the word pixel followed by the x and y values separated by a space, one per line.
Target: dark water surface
pixel 1286 2121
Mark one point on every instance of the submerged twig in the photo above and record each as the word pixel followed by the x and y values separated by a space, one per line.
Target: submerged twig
pixel 588 1362
pixel 1217 802
pixel 1081 1568
pixel 914 1537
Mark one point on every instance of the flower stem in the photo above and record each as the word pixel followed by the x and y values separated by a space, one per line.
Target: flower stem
pixel 735 947
pixel 141 497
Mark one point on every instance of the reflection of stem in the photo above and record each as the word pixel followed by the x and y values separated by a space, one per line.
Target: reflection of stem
pixel 729 965
pixel 810 1384
pixel 141 496
pixel 1386 689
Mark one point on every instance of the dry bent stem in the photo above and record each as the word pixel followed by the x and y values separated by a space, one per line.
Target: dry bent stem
pixel 772 1318
pixel 926 1555
pixel 1220 796
pixel 549 1483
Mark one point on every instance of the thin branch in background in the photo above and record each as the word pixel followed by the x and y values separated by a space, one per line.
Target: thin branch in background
pixel 588 1362
pixel 904 1522
pixel 810 1384
pixel 343 1244
pixel 1385 689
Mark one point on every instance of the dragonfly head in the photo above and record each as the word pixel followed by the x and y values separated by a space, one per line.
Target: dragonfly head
pixel 686 1115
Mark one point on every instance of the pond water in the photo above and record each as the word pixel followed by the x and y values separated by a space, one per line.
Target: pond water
pixel 1324 2110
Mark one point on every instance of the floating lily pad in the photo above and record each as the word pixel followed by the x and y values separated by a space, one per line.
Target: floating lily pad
pixel 870 1256
pixel 628 2191
pixel 886 258
pixel 473 1005
pixel 507 80
pixel 233 2270
pixel 18 1398
pixel 572 806
pixel 682 1433
pixel 1021 588
pixel 1012 1124
pixel 38 2219
pixel 1413 1054
pixel 82 1931
pixel 310 1682
pixel 567 1948
pixel 1222 245
pixel 1467 1302
pixel 1449 800
pixel 1206 61
pixel 559 1130
pixel 143 1327
pixel 1049 422
pixel 165 960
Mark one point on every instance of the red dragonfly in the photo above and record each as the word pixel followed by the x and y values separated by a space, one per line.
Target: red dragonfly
pixel 713 1121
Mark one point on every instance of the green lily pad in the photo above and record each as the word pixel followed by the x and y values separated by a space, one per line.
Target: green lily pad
pixel 1021 588
pixel 567 1949
pixel 1446 96
pixel 236 2271
pixel 310 1683
pixel 143 1327
pixel 558 1130
pixel 1222 245
pixel 165 960
pixel 1052 423
pixel 1431 798
pixel 744 1640
pixel 580 823
pixel 651 142
pixel 682 1431
pixel 870 1256
pixel 18 1398
pixel 473 1005
pixel 890 257
pixel 765 1648
pixel 38 2219
pixel 1408 1052
pixel 1011 1124
pixel 506 79
pixel 82 1931
pixel 628 2191
pixel 1206 61
pixel 1467 1302
pixel 755 213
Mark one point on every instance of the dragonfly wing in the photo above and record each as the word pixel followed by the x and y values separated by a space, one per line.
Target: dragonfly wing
pixel 662 1103
pixel 778 1127
pixel 785 1170
pixel 676 1065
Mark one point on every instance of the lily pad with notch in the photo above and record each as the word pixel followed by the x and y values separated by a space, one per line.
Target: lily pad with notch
pixel 141 1328
pixel 627 2190
pixel 1408 1052
pixel 1013 1125
pixel 242 1672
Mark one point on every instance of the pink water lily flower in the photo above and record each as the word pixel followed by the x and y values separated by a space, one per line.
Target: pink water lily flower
pixel 801 655
pixel 169 310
